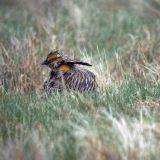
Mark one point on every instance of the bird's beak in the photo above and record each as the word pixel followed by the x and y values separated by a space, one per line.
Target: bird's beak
pixel 45 62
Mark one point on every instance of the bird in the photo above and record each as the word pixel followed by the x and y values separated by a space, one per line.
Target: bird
pixel 66 74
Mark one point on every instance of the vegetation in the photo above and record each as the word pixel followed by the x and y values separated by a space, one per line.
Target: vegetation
pixel 120 120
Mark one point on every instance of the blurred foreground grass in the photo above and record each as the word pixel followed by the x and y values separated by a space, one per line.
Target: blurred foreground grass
pixel 117 123
pixel 120 120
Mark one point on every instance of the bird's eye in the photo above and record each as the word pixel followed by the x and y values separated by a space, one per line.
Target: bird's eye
pixel 58 55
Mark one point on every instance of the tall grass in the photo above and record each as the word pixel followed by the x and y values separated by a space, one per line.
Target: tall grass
pixel 105 124
pixel 120 120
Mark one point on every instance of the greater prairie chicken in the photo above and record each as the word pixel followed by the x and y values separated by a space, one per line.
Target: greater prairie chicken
pixel 65 74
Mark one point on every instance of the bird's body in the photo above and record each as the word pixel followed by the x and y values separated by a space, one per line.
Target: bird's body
pixel 66 75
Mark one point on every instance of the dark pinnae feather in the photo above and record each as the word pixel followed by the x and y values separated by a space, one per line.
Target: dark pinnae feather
pixel 78 62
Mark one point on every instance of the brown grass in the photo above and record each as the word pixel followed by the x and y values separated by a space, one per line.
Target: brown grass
pixel 20 65
pixel 148 104
pixel 21 69
pixel 141 61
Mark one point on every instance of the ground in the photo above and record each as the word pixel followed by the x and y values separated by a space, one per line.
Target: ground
pixel 118 121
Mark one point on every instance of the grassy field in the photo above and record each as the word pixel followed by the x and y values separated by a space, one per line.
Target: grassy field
pixel 120 120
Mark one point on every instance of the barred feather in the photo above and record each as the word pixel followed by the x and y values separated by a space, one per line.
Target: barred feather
pixel 75 79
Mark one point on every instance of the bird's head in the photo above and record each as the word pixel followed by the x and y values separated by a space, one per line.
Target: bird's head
pixel 56 60
pixel 53 59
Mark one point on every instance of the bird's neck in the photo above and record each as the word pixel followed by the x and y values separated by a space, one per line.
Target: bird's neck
pixel 62 68
pixel 65 67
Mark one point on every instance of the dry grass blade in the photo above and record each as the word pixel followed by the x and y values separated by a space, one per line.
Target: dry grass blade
pixel 20 66
pixel 148 104
pixel 89 104
pixel 92 147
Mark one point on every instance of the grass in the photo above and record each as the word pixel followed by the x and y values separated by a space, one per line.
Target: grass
pixel 95 124
pixel 120 120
